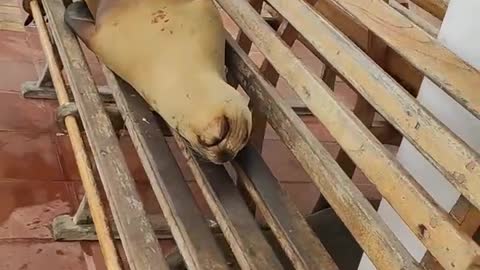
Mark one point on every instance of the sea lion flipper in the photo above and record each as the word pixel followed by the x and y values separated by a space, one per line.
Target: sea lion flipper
pixel 78 17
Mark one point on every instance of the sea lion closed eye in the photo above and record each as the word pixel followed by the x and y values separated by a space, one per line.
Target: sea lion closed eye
pixel 172 53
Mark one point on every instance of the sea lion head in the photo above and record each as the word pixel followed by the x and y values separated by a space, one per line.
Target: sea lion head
pixel 176 66
pixel 219 131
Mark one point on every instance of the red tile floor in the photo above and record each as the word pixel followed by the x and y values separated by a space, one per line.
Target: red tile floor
pixel 39 178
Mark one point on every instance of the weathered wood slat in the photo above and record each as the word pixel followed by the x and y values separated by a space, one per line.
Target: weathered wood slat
pixel 459 79
pixel 415 18
pixel 241 231
pixel 463 212
pixel 456 160
pixel 257 135
pixel 52 68
pixel 351 206
pixel 289 36
pixel 188 226
pixel 30 90
pixel 297 239
pixel 395 65
pixel 141 247
pixel 432 225
pixel 437 8
pixel 468 218
pixel 377 50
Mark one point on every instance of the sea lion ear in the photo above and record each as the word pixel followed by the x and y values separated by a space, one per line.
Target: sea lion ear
pixel 80 20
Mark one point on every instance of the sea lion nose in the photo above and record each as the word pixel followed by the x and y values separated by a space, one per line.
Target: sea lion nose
pixel 215 132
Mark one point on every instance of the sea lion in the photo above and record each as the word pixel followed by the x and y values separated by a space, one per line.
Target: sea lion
pixel 172 52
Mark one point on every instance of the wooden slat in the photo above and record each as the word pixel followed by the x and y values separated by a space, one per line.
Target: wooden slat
pixel 396 66
pixel 415 18
pixel 257 135
pixel 188 226
pixel 368 153
pixel 287 223
pixel 242 39
pixel 355 211
pixel 456 77
pixel 238 225
pixel 437 8
pixel 468 218
pixel 141 247
pixel 92 192
pixel 463 211
pixel 362 109
pixel 377 50
pixel 456 160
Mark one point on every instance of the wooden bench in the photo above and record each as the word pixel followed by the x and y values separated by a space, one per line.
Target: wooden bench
pixel 382 52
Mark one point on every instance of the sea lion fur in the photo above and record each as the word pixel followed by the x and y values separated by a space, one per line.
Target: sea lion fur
pixel 172 53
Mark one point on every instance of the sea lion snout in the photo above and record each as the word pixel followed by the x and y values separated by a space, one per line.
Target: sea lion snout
pixel 215 132
pixel 224 136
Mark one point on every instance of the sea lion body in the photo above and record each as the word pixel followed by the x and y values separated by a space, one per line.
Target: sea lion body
pixel 172 53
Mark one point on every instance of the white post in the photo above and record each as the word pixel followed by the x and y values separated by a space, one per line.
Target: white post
pixel 460 32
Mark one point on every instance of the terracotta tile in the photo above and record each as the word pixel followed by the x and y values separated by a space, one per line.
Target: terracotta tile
pixel 229 23
pixel 95 261
pixel 257 58
pixel 369 191
pixel 36 52
pixel 16 73
pixel 284 90
pixel 94 65
pixel 345 94
pixel 304 195
pixel 270 133
pixel 187 174
pixel 150 202
pixel 31 156
pixel 40 256
pixel 13 47
pixel 308 58
pixel 97 72
pixel 94 258
pixel 200 200
pixel 39 64
pixel 283 163
pixel 318 129
pixel 66 156
pixel 28 207
pixel 133 161
pixel 20 114
pixel 34 45
pixel 89 55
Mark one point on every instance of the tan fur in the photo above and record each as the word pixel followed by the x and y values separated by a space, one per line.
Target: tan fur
pixel 172 53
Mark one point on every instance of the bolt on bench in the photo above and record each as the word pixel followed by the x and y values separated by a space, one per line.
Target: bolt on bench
pixel 382 52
